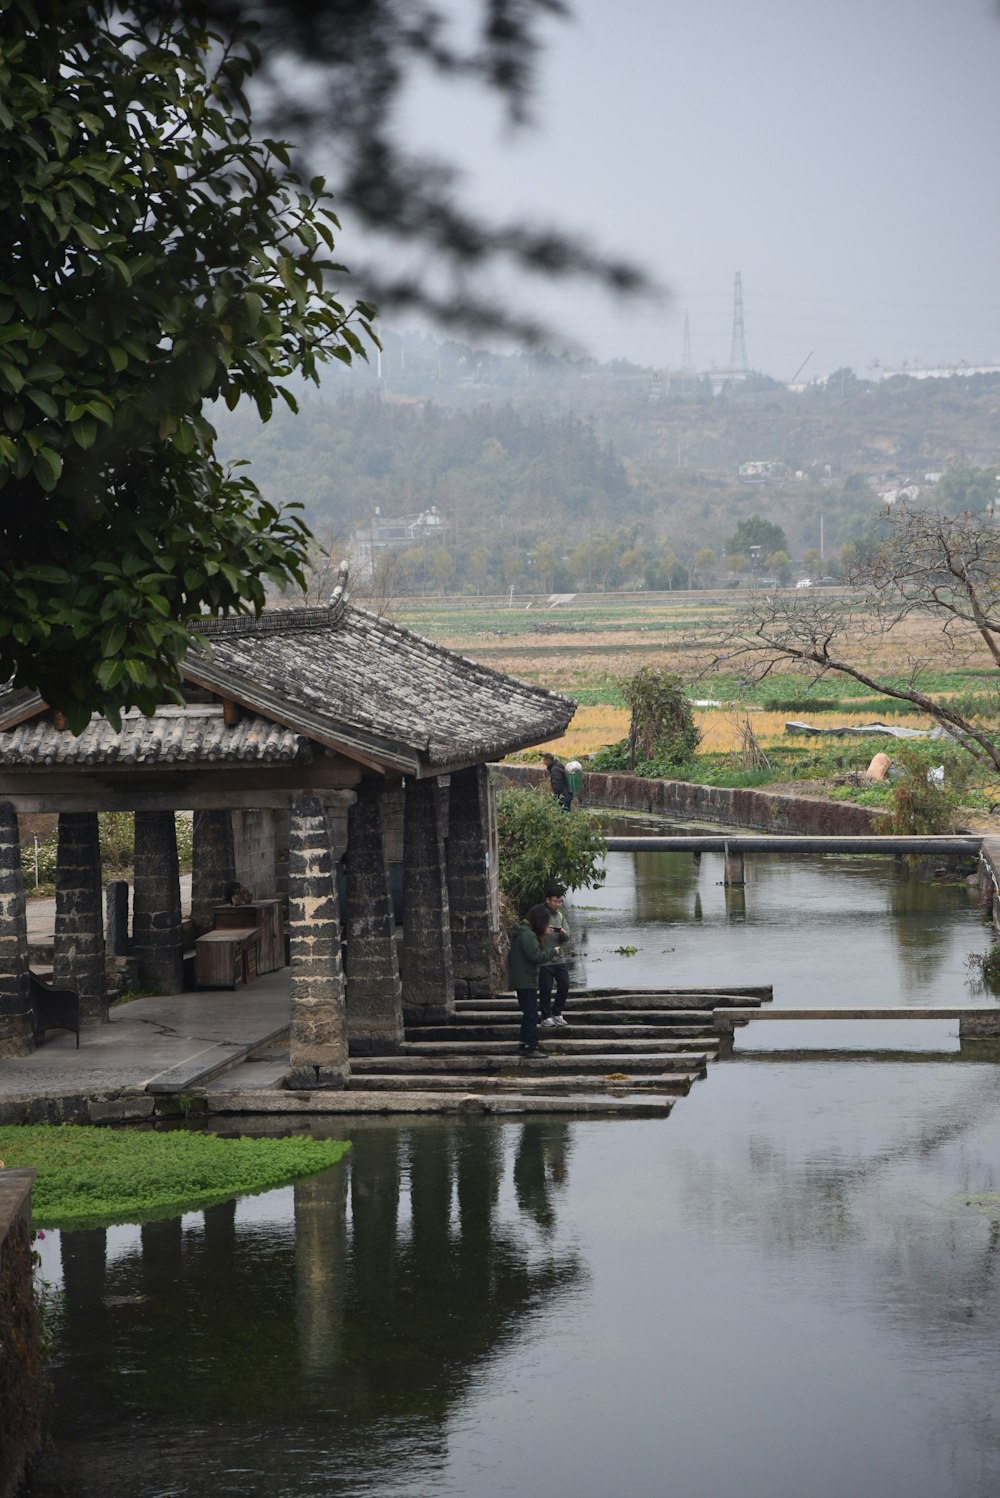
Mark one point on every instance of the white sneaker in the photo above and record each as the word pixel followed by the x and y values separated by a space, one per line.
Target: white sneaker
pixel 547 1024
pixel 557 1019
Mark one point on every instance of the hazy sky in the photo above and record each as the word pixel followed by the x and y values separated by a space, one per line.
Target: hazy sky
pixel 841 156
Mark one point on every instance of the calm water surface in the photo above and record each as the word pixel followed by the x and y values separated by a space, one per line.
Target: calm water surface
pixel 788 1289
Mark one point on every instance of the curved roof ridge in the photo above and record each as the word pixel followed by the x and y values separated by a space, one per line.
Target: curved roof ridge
pixel 281 620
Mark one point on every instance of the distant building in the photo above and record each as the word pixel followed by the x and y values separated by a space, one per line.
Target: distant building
pixel 759 471
pixel 938 371
pixel 382 534
pixel 890 496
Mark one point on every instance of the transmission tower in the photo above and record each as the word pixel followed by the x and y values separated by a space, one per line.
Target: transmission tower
pixel 739 364
pixel 687 365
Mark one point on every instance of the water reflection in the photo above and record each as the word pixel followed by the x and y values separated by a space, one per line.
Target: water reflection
pixel 780 1291
pixel 824 930
pixel 358 1315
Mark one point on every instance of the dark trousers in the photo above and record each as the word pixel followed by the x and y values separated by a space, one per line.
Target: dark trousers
pixel 556 974
pixel 527 1002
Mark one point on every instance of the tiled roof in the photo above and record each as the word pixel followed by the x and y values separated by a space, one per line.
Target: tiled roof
pixel 191 735
pixel 374 686
pixel 336 676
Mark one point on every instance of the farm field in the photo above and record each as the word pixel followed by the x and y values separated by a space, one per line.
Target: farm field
pixel 585 648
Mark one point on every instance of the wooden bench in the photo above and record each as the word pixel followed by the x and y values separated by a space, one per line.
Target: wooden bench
pixel 52 1009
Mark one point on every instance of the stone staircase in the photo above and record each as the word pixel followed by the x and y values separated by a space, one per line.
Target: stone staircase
pixel 620 1049
pixel 624 1052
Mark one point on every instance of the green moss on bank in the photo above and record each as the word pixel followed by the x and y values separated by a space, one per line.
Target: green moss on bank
pixel 91 1177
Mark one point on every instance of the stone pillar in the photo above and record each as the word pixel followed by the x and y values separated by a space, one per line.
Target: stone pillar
pixel 428 976
pixel 15 1021
pixel 116 918
pixel 79 935
pixel 255 853
pixel 473 891
pixel 157 944
pixel 213 865
pixel 374 998
pixel 735 871
pixel 319 1016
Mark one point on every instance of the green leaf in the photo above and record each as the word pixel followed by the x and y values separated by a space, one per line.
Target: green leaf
pixel 47 468
pixel 43 400
pixel 113 639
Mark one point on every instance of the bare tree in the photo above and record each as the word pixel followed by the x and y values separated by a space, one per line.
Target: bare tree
pixel 925 598
pixel 382 588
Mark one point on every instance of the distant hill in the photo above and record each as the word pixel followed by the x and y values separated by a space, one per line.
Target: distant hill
pixel 519 452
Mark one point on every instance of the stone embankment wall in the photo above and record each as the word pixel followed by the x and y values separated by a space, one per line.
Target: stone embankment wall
pixel 763 810
pixel 989 879
pixel 20 1374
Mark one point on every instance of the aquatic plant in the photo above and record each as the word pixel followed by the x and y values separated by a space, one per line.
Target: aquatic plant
pixel 90 1177
pixel 985 967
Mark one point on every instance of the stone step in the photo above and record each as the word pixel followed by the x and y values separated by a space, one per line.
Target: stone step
pixel 674 1019
pixel 700 999
pixel 563 1041
pixel 583 1027
pixel 677 1084
pixel 343 1100
pixel 491 1064
pixel 756 993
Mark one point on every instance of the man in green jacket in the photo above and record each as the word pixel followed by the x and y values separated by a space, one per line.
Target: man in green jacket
pixel 527 953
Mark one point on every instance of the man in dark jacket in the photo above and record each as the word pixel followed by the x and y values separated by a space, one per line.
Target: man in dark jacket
pixel 527 953
pixel 558 780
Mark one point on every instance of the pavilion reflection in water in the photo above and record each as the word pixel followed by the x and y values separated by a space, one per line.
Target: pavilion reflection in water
pixel 358 1317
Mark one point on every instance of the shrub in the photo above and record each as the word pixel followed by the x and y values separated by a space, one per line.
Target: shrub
pixel 540 844
pixel 922 807
pixel 662 726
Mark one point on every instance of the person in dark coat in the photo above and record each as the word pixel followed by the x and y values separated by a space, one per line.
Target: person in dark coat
pixel 558 780
pixel 527 953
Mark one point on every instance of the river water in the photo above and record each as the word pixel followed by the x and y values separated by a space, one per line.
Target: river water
pixel 786 1289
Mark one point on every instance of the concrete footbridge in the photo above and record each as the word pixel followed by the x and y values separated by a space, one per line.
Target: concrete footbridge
pixel 736 846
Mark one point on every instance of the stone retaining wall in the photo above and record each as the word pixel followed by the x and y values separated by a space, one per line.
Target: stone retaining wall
pixel 763 810
pixel 20 1374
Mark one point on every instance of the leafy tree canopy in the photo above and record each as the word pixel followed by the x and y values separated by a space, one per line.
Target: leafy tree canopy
pixel 154 255
pixel 756 532
pixel 539 844
pixel 965 488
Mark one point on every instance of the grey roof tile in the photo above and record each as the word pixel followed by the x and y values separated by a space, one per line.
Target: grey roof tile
pixel 192 735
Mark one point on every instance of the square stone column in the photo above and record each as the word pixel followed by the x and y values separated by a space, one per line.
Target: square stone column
pixel 428 975
pixel 79 933
pixel 374 998
pixel 319 1013
pixel 157 944
pixel 213 865
pixel 15 1020
pixel 473 889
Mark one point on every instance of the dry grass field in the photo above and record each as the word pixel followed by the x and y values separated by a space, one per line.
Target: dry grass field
pixel 594 727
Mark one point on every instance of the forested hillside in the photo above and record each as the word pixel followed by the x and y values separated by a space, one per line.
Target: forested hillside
pixel 553 474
